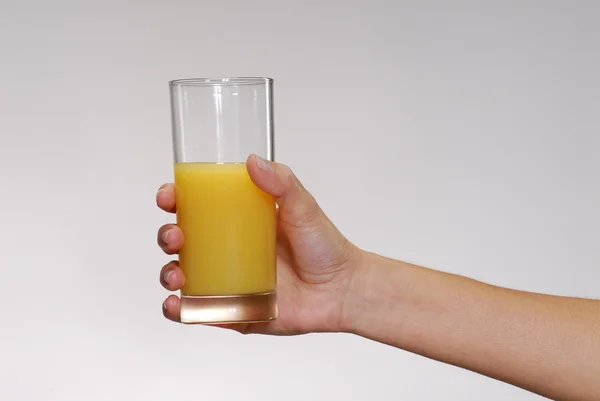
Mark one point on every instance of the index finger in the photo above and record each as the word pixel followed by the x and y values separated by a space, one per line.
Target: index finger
pixel 165 198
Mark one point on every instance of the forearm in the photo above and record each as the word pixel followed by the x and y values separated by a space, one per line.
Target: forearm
pixel 549 345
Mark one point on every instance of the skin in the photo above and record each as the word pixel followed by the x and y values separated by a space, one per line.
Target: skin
pixel 545 344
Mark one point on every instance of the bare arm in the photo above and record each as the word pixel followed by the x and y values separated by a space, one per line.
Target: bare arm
pixel 549 345
pixel 546 344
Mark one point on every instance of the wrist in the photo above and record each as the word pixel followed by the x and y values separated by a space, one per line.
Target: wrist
pixel 384 299
pixel 359 298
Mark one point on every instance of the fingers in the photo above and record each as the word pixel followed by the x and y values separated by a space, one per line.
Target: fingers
pixel 171 276
pixel 165 198
pixel 298 207
pixel 170 238
pixel 171 308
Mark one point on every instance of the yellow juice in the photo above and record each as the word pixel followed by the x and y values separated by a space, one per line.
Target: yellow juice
pixel 229 229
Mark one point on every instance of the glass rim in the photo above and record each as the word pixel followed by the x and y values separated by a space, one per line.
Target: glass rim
pixel 221 81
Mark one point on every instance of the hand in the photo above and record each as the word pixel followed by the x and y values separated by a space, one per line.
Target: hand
pixel 316 264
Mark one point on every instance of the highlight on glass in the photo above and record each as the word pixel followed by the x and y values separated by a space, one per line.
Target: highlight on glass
pixel 228 256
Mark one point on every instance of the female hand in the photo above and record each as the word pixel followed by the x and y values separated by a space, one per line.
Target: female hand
pixel 316 264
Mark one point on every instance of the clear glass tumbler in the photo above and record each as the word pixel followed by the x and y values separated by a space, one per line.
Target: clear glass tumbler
pixel 228 256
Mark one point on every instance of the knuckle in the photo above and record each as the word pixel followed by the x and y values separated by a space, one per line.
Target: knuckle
pixel 306 213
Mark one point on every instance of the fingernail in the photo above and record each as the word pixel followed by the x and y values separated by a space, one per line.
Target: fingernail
pixel 165 236
pixel 167 275
pixel 165 305
pixel 263 164
pixel 160 190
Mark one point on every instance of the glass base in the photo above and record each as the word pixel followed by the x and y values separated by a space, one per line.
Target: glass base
pixel 250 308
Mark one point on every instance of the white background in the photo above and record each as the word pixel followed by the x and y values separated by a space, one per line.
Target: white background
pixel 463 136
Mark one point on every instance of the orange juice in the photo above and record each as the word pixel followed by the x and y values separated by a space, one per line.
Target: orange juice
pixel 229 230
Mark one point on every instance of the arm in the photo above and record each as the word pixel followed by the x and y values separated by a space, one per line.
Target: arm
pixel 546 344
pixel 549 345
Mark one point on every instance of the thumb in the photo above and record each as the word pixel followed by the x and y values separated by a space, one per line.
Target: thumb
pixel 297 205
pixel 314 238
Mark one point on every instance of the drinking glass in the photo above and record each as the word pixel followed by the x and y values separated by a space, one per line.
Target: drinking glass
pixel 228 256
